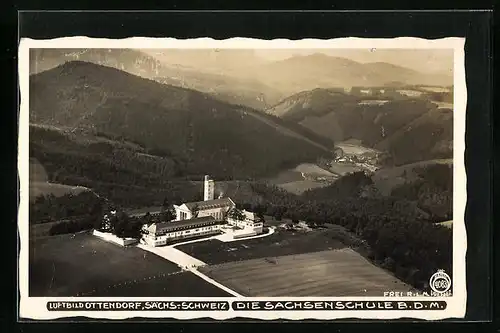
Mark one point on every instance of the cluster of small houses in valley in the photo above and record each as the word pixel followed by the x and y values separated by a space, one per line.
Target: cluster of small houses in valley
pixel 198 220
pixel 368 157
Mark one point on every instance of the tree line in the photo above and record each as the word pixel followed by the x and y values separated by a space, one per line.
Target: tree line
pixel 129 178
pixel 433 191
pixel 72 213
pixel 401 238
pixel 49 208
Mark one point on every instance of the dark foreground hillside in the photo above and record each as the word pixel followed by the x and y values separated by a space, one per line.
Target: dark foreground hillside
pixel 199 133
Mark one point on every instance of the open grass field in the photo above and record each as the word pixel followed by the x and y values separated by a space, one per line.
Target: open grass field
pixel 312 169
pixel 297 174
pixel 287 176
pixel 352 147
pixel 293 180
pixel 39 185
pixel 84 265
pixel 327 273
pixel 386 179
pixel 342 169
pixel 299 187
pixel 278 244
pixel 179 284
pixel 37 189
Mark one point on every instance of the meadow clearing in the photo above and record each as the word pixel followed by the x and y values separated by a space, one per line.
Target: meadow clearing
pixel 280 243
pixel 354 147
pixel 39 184
pixel 337 273
pixel 312 170
pixel 342 169
pixel 84 265
pixel 304 177
pixel 299 187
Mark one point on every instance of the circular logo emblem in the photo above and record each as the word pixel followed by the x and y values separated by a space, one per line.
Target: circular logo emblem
pixel 440 282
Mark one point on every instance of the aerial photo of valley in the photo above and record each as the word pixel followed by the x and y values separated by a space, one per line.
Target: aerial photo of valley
pixel 239 172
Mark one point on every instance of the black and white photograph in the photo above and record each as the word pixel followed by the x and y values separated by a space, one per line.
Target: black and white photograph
pixel 240 171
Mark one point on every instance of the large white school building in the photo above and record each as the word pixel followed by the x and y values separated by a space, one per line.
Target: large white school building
pixel 203 218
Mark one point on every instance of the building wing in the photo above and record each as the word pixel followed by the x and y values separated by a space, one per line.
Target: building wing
pixel 185 224
pixel 209 204
pixel 250 216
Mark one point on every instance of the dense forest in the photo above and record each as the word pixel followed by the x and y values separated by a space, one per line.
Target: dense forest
pixel 73 213
pixel 197 133
pixel 295 127
pixel 50 208
pixel 433 191
pixel 68 213
pixel 115 168
pixel 402 238
pixel 121 224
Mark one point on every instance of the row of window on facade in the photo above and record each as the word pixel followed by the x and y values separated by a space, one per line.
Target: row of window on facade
pixel 218 216
pixel 182 228
pixel 180 233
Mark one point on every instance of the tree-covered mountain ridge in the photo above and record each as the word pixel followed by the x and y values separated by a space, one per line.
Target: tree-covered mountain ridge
pixel 202 134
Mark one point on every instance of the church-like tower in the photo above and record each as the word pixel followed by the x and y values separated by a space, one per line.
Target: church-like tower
pixel 209 189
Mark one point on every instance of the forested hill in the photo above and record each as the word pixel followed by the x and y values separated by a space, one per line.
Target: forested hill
pixel 201 134
pixel 240 90
pixel 411 129
pixel 399 230
pixel 306 72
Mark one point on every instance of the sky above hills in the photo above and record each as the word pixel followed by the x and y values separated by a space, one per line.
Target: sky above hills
pixel 260 78
pixel 439 61
pixel 426 61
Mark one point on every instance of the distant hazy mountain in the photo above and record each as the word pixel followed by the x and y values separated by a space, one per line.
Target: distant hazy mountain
pixel 239 76
pixel 216 61
pixel 301 72
pixel 421 60
pixel 411 129
pixel 244 91
pixel 321 71
pixel 200 133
